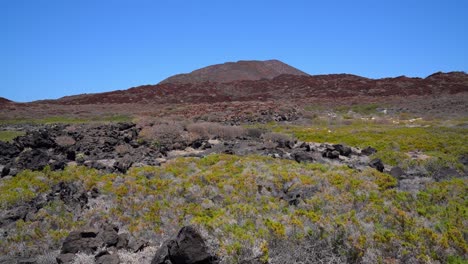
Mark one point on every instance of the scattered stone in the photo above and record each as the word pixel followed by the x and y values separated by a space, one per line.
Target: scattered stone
pixel 368 151
pixel 303 157
pixel 123 164
pixel 331 154
pixel 377 164
pixel 58 165
pixel 94 193
pixel 343 149
pixel 109 236
pixel 137 245
pixel 4 170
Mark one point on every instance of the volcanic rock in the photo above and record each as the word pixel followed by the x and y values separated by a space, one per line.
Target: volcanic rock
pixel 188 247
pixel 81 241
pixel 377 164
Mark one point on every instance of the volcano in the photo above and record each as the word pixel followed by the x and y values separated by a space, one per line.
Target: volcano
pixel 236 71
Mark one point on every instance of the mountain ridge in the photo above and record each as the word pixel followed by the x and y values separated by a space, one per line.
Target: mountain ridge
pixel 283 87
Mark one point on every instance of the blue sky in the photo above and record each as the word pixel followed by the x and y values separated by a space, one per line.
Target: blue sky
pixel 53 48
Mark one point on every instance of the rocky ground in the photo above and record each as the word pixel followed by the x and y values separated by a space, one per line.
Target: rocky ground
pixel 118 147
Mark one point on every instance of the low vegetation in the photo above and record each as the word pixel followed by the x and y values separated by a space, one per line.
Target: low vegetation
pixel 9 135
pixel 242 206
pixel 272 210
pixel 68 120
pixel 431 142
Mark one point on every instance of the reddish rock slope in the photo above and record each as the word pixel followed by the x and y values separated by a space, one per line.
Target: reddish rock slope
pixel 283 87
pixel 236 71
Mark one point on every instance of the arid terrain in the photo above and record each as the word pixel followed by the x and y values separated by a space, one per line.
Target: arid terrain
pixel 243 162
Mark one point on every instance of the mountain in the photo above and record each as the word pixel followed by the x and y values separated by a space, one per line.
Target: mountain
pixel 284 87
pixel 236 71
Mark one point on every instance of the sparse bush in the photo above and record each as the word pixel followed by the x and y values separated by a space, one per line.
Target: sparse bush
pixel 48 258
pixel 123 149
pixel 163 134
pixel 82 258
pixel 199 129
pixel 308 251
pixel 144 256
pixel 215 130
pixel 254 132
pixel 65 141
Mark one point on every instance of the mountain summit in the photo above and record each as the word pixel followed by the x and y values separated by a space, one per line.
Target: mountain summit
pixel 236 71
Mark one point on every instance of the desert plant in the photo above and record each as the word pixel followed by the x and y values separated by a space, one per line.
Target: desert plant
pixel 215 130
pixel 65 141
pixel 164 133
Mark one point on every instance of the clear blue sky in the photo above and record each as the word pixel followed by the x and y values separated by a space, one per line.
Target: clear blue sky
pixel 53 48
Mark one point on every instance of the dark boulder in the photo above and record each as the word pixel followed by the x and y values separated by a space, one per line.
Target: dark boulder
pixel 197 143
pixel 94 192
pixel 13 214
pixel 8 151
pixel 72 194
pixel 123 164
pixel 377 164
pixel 368 151
pixel 294 198
pixel 285 143
pixel 71 155
pixel 303 156
pixel 109 236
pixel 58 165
pixel 187 248
pixel 343 149
pixel 331 154
pixel 5 170
pixel 35 159
pixel 81 241
pixel 35 139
